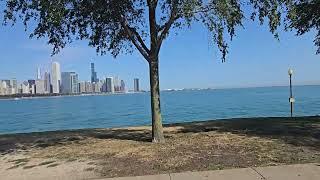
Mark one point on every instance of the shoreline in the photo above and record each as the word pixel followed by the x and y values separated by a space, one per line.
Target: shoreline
pixel 166 125
pixel 32 96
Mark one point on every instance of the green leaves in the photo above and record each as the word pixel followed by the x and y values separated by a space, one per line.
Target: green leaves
pixel 118 25
pixel 305 16
pixel 62 21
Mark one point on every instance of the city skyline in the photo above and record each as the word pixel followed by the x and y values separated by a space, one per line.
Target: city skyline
pixel 61 82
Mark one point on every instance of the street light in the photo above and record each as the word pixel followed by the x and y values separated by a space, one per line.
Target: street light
pixel 291 99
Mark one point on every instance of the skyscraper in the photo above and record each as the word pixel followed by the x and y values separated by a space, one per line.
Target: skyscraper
pixel 136 85
pixel 25 89
pixel 116 83
pixel 38 73
pixel 96 87
pixel 69 83
pixel 104 85
pixel 110 85
pixel 82 87
pixel 47 83
pixel 93 74
pixel 88 86
pixel 40 86
pixel 55 77
pixel 123 86
pixel 13 86
pixel 32 86
pixel 3 88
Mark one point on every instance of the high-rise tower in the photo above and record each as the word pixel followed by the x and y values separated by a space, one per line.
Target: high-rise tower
pixel 55 77
pixel 38 73
pixel 93 74
pixel 136 85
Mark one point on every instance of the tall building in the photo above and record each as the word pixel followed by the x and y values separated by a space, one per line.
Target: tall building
pixel 38 73
pixel 136 85
pixel 25 89
pixel 47 82
pixel 55 77
pixel 88 86
pixel 32 86
pixel 3 88
pixel 123 86
pixel 69 83
pixel 93 74
pixel 13 86
pixel 40 87
pixel 109 85
pixel 82 87
pixel 116 83
pixel 9 87
pixel 96 87
pixel 103 85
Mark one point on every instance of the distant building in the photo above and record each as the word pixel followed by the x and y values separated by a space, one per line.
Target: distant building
pixel 96 87
pixel 47 82
pixel 40 87
pixel 31 82
pixel 123 86
pixel 32 89
pixel 88 87
pixel 82 87
pixel 93 74
pixel 55 77
pixel 32 86
pixel 3 88
pixel 116 83
pixel 25 89
pixel 136 85
pixel 110 85
pixel 103 85
pixel 38 73
pixel 13 86
pixel 69 83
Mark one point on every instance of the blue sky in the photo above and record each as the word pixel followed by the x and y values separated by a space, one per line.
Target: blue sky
pixel 187 60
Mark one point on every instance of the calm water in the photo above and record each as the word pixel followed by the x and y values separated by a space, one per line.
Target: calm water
pixel 76 112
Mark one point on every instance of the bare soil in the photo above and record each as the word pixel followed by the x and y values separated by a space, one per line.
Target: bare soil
pixel 196 146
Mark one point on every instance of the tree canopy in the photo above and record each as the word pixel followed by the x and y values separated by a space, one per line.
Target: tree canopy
pixel 306 17
pixel 118 25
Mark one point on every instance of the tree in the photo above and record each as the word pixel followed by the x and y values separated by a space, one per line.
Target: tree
pixel 119 26
pixel 305 17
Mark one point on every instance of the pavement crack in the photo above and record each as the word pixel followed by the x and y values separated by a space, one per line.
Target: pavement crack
pixel 262 177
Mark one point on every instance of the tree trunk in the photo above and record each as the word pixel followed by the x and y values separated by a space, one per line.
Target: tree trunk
pixel 157 129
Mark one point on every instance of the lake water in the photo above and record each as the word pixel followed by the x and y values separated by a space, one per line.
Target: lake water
pixel 76 112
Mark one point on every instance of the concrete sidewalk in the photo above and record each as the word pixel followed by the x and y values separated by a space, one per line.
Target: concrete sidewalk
pixel 288 172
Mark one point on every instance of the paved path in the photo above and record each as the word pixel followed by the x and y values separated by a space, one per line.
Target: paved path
pixel 288 172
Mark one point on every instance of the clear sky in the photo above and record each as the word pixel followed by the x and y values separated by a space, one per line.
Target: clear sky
pixel 187 60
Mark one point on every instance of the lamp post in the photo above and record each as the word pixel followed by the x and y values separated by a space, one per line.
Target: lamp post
pixel 291 99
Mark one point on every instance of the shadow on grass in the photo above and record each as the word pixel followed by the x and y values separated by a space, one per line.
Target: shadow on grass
pixel 301 131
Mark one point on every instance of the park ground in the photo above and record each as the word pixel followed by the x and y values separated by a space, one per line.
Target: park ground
pixel 195 146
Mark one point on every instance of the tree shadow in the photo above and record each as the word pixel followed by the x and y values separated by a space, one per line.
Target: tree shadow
pixel 24 141
pixel 299 131
pixel 302 131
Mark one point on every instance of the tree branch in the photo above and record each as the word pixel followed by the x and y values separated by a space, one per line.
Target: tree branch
pixel 152 4
pixel 135 39
pixel 166 27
